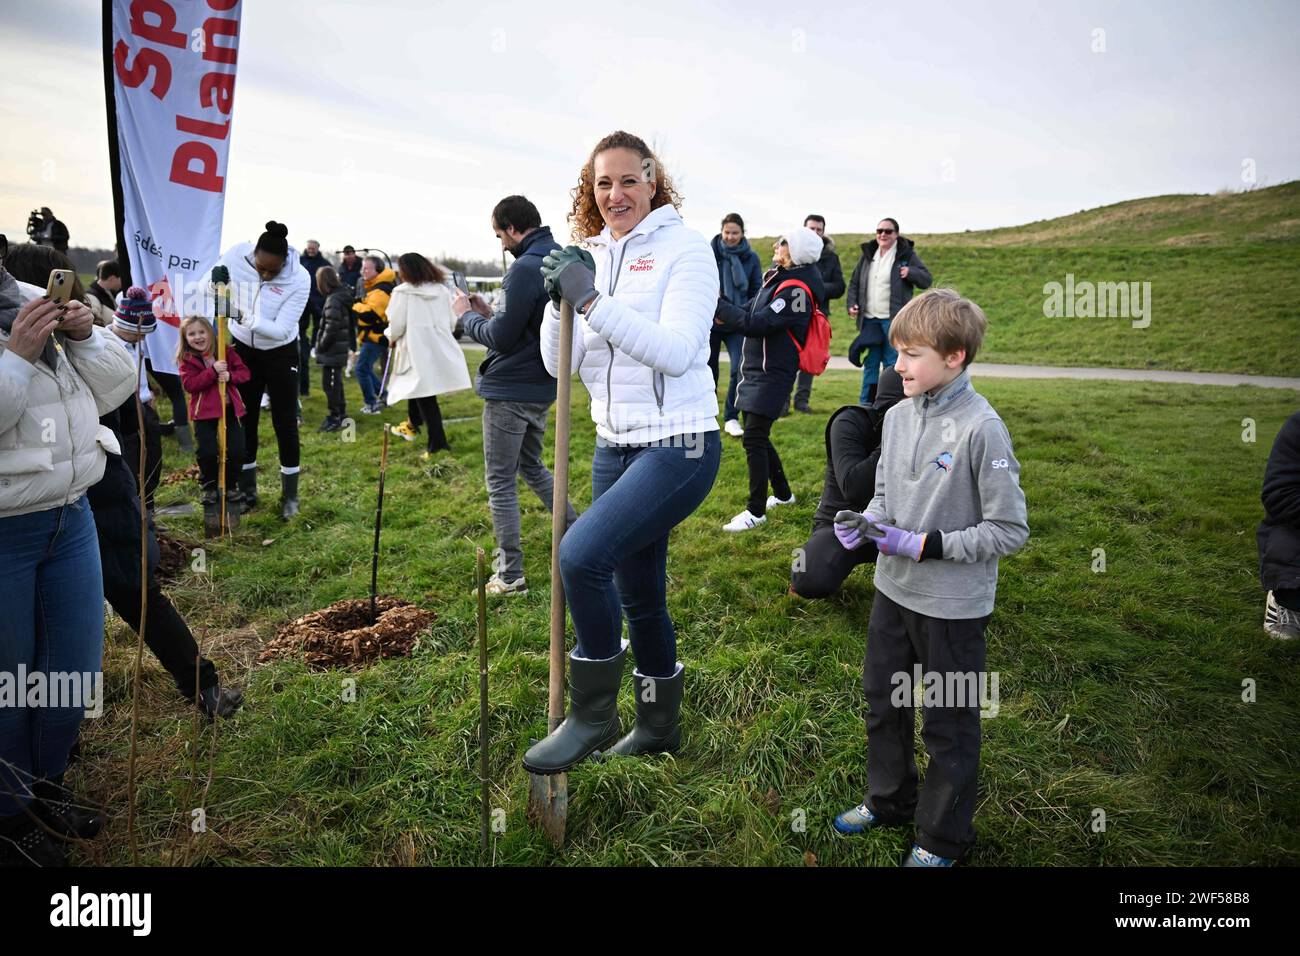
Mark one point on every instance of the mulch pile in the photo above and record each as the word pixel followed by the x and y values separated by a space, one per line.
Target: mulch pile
pixel 341 635
pixel 185 474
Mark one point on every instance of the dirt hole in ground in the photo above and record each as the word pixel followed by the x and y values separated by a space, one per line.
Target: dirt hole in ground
pixel 178 477
pixel 173 556
pixel 341 635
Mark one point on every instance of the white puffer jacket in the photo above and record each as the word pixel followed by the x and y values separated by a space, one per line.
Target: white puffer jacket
pixel 52 447
pixel 270 310
pixel 642 349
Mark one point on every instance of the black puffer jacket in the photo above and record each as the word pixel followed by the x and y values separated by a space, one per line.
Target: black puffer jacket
pixel 337 332
pixel 769 359
pixel 832 273
pixel 853 451
pixel 900 289
pixel 1278 535
pixel 115 504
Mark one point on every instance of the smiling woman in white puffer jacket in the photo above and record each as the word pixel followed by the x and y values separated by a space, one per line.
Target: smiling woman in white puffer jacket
pixel 644 295
pixel 53 388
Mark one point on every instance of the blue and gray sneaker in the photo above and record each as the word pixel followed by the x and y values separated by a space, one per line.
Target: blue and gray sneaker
pixel 922 857
pixel 855 820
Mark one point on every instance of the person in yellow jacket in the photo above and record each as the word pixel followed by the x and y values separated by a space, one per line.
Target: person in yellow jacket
pixel 372 321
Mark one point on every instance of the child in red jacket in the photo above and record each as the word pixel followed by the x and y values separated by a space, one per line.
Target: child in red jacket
pixel 200 374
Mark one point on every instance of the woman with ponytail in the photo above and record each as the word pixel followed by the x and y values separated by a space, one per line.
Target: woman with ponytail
pixel 269 290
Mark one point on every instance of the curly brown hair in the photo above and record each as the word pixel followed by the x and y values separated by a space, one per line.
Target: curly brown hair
pixel 585 216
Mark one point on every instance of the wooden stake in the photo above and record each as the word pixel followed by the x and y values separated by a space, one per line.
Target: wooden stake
pixel 379 520
pixel 483 705
pixel 548 794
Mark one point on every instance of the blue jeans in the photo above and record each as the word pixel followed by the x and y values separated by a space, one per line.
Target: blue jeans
pixel 367 378
pixel 734 342
pixel 614 560
pixel 53 623
pixel 875 355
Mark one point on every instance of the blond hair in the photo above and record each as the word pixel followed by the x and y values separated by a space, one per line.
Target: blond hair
pixel 943 320
pixel 183 350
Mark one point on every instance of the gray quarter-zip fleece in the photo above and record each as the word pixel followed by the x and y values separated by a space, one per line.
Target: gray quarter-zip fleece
pixel 946 465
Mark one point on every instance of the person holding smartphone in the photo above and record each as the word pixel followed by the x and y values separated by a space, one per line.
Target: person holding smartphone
pixel 58 374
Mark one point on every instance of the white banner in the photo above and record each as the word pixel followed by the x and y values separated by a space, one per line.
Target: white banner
pixel 174 89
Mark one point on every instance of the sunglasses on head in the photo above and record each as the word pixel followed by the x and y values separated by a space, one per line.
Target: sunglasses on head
pixel 884 232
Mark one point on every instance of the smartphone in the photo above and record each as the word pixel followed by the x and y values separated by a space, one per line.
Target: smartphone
pixel 59 288
pixel 459 279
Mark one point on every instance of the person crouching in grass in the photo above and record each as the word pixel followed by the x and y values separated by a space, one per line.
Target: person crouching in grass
pixel 948 504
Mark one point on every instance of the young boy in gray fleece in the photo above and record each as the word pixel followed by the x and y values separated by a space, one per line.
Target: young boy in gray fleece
pixel 948 504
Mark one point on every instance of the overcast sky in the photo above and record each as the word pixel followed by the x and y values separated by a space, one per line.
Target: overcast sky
pixel 399 123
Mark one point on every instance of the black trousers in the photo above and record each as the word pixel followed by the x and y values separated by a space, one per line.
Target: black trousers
pixel 208 446
pixel 166 634
pixel 897 640
pixel 171 387
pixel 331 382
pixel 274 372
pixel 431 418
pixel 802 388
pixel 823 563
pixel 152 450
pixel 764 463
pixel 308 326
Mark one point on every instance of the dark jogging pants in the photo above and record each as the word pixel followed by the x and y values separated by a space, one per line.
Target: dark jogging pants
pixel 275 372
pixel 897 640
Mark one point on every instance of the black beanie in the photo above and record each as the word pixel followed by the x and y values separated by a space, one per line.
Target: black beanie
pixel 275 240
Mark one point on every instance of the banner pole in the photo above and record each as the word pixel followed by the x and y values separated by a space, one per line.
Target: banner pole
pixel 114 148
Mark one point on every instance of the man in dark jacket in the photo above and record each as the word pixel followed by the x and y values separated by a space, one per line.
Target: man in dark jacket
pixel 350 269
pixel 309 325
pixel 516 389
pixel 775 327
pixel 833 281
pixel 1278 535
pixel 883 282
pixel 852 453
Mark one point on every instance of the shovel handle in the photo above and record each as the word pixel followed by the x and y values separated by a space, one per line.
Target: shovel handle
pixel 559 515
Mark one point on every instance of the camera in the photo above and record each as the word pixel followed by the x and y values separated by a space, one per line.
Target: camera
pixel 45 230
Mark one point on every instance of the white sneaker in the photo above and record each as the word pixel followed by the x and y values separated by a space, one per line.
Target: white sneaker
pixel 773 501
pixel 266 400
pixel 744 522
pixel 734 428
pixel 1279 622
pixel 496 587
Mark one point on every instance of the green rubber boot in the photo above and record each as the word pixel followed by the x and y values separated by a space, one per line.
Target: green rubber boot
pixel 592 723
pixel 658 706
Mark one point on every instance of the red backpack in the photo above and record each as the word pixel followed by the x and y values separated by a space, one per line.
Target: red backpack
pixel 815 353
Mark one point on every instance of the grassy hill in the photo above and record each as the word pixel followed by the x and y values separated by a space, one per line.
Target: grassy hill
pixel 1224 274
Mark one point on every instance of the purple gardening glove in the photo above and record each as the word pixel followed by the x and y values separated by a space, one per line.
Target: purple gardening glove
pixel 892 540
pixel 852 530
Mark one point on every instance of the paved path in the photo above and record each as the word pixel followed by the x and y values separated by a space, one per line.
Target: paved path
pixel 990 370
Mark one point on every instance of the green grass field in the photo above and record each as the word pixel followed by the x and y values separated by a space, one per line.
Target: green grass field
pixel 1119 691
pixel 1224 273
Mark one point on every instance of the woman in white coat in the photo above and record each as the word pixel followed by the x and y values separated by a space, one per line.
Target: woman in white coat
pixel 644 298
pixel 427 362
pixel 58 374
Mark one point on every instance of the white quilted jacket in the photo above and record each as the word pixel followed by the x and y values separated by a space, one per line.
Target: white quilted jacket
pixel 52 447
pixel 642 350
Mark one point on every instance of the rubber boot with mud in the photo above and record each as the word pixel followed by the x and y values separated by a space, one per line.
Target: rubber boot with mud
pixel 248 488
pixel 288 495
pixel 592 723
pixel 658 704
pixel 185 438
pixel 211 513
